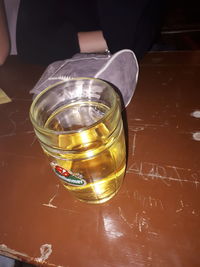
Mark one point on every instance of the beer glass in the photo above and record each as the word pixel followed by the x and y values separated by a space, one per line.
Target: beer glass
pixel 79 126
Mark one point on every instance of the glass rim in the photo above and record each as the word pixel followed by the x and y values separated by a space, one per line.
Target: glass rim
pixel 50 87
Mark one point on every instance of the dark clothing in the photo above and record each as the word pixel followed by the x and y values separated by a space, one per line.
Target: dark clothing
pixel 47 29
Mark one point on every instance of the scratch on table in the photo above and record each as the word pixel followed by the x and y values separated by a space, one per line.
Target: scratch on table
pixel 7 135
pixel 137 119
pixel 136 217
pixel 161 204
pixel 166 174
pixel 28 132
pixel 182 206
pixel 150 256
pixel 24 121
pixel 195 177
pixel 178 210
pixel 13 124
pixel 134 145
pixel 124 219
pixel 142 126
pixel 136 128
pixel 181 201
pixel 34 140
pixel 177 173
pixel 142 224
pixel 49 204
pixel 14 133
pixel 148 201
pixel 194 212
pixel 153 233
pixel 128 194
pixel 45 250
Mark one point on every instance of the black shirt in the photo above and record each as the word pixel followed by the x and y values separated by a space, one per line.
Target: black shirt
pixel 47 29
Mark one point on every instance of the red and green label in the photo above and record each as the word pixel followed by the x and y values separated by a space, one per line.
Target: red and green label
pixel 68 176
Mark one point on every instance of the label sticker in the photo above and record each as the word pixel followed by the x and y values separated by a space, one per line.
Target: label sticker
pixel 67 176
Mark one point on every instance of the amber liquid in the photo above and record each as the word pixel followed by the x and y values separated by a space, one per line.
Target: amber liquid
pixel 96 153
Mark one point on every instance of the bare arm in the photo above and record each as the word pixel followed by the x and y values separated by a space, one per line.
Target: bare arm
pixel 92 42
pixel 4 35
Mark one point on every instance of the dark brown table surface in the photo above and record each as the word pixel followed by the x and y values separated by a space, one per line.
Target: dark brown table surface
pixel 154 220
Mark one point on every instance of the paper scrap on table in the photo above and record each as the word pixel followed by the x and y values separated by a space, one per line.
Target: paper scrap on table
pixel 4 98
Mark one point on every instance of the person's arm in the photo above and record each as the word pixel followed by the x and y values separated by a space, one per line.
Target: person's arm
pixel 92 42
pixel 4 35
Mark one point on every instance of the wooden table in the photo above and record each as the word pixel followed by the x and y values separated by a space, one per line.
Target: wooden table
pixel 154 220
